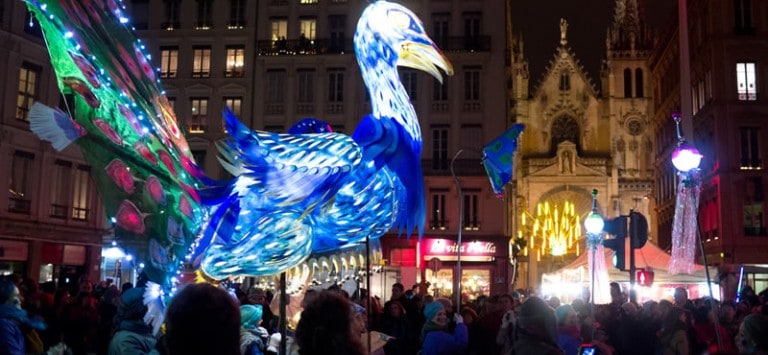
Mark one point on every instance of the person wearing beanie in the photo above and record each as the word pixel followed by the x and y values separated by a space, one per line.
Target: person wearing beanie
pixel 253 337
pixel 537 329
pixel 132 334
pixel 435 338
pixel 753 335
pixel 568 329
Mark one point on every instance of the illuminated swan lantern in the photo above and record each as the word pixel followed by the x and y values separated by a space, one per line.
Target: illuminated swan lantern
pixel 310 190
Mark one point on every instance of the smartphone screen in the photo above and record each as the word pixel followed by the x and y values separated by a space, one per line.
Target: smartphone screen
pixel 587 349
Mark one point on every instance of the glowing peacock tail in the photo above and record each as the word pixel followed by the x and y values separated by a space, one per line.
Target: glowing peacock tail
pixel 140 160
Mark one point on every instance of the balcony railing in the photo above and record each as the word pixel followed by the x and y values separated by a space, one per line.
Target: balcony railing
pixel 305 47
pixel 335 46
pixel 464 44
pixel 59 211
pixel 462 167
pixel 19 205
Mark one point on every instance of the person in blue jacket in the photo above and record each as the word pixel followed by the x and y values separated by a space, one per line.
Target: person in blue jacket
pixel 15 323
pixel 435 338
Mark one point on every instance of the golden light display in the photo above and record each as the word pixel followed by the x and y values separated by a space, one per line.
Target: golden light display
pixel 553 230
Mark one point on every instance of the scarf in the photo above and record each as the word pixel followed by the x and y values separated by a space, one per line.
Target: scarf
pixel 13 312
pixel 135 326
pixel 430 327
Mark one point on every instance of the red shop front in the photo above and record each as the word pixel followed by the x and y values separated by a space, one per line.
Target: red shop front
pixel 484 266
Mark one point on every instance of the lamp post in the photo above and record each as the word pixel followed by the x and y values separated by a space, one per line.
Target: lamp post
pixel 594 224
pixel 461 226
pixel 686 159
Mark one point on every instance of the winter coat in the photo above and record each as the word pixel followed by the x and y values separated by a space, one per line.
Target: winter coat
pixel 438 342
pixel 132 337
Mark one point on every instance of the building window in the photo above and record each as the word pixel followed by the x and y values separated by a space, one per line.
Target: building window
pixel 565 129
pixel 441 29
pixel 204 15
pixel 81 193
pixel 236 14
pixel 278 29
pixel 472 22
pixel 308 29
pixel 201 62
pixel 60 188
pixel 337 26
pixel 171 13
pixel 409 80
pixel 472 138
pixel 336 85
pixel 565 81
pixel 440 96
pixel 306 92
pixel 235 62
pixel 627 83
pixel 440 147
pixel 470 212
pixel 28 80
pixel 275 85
pixel 275 92
pixel 639 83
pixel 306 2
pixel 472 88
pixel 169 62
pixel 753 207
pixel 749 143
pixel 745 79
pixel 742 10
pixel 199 156
pixel 199 119
pixel 235 105
pixel 438 219
pixel 20 185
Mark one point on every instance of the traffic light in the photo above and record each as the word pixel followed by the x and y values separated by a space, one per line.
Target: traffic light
pixel 619 256
pixel 644 277
pixel 638 229
pixel 618 228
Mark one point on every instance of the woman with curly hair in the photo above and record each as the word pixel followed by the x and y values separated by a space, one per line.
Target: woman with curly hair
pixel 328 326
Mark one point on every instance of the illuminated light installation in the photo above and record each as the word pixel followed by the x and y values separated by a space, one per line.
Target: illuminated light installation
pixel 294 194
pixel 686 160
pixel 554 230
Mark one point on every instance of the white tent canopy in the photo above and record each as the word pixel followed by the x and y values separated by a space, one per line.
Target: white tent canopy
pixel 569 281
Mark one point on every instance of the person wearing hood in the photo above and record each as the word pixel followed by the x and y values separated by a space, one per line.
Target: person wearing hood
pixel 132 334
pixel 537 329
pixel 436 339
pixel 253 337
pixel 15 324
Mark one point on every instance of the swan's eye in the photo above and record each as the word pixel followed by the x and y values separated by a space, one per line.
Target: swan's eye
pixel 400 20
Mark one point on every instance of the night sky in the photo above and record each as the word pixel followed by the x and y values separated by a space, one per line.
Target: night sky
pixel 588 20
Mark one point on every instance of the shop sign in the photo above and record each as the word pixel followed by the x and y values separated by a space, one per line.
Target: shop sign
pixel 450 247
pixel 13 251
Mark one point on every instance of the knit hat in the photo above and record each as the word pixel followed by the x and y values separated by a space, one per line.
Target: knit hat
pixel 432 309
pixel 132 304
pixel 755 328
pixel 536 316
pixel 250 315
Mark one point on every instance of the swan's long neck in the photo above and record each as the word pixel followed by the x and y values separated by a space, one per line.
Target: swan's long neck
pixel 388 96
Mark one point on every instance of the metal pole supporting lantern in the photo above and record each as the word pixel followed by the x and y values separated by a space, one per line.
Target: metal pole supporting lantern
pixel 461 226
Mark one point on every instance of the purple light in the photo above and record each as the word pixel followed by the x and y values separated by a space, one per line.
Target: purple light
pixel 686 157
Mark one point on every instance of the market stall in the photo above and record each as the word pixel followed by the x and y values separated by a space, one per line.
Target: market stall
pixel 572 280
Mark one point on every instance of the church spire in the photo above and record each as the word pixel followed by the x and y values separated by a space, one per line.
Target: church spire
pixel 629 30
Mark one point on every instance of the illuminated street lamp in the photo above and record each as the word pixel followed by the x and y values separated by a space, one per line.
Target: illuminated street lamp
pixel 594 224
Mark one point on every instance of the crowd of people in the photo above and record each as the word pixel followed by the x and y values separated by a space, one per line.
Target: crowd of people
pixel 206 319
